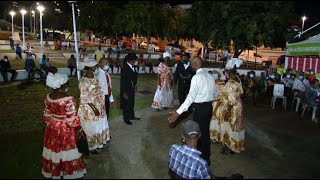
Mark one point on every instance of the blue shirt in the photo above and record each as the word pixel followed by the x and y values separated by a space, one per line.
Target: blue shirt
pixel 187 163
pixel 311 96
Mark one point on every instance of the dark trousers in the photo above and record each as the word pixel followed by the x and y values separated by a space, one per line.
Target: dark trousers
pixel 128 107
pixel 32 72
pixel 13 75
pixel 202 116
pixel 107 105
pixel 182 95
pixel 71 70
pixel 19 54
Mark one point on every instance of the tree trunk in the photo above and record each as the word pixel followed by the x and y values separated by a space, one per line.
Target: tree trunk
pixel 237 52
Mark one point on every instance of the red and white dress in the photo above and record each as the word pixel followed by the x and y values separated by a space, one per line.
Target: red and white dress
pixel 60 156
pixel 163 97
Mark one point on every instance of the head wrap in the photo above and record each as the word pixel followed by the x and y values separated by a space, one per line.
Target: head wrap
pixel 56 80
pixel 87 62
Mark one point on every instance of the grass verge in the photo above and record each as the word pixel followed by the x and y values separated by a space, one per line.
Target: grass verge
pixel 22 128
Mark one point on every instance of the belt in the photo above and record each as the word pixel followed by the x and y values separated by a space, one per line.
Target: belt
pixel 209 102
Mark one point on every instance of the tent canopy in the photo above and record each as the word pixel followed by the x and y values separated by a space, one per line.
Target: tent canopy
pixel 308 47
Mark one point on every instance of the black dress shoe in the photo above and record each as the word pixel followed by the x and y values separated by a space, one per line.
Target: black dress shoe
pixel 94 152
pixel 128 122
pixel 135 118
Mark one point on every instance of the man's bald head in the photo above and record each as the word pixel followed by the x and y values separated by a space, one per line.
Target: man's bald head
pixel 103 62
pixel 196 63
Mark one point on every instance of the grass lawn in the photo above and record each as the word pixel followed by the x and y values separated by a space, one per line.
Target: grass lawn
pixel 22 128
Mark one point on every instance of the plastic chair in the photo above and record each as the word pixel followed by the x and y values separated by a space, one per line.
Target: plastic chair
pixel 298 101
pixel 278 93
pixel 314 110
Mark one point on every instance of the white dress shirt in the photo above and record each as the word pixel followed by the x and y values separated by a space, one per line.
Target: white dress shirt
pixel 185 65
pixel 297 84
pixel 202 89
pixel 104 84
pixel 131 66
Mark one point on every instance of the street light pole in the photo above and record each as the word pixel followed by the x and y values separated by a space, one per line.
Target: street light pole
pixel 75 38
pixel 12 13
pixel 303 19
pixel 31 11
pixel 34 21
pixel 23 12
pixel 40 9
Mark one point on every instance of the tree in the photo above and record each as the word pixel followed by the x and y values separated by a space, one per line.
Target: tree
pixel 143 17
pixel 175 24
pixel 246 23
pixel 98 16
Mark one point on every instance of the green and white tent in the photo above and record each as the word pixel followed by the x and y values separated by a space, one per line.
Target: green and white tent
pixel 308 47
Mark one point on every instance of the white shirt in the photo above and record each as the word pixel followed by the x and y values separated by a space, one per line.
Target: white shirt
pixel 131 66
pixel 104 84
pixel 202 89
pixel 297 84
pixel 185 65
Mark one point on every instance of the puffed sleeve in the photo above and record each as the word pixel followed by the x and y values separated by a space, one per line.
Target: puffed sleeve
pixel 230 89
pixel 71 114
pixel 85 91
pixel 46 112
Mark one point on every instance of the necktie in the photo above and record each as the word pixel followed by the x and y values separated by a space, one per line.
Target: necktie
pixel 109 85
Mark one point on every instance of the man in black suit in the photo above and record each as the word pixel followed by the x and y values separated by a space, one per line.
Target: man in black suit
pixel 128 87
pixel 183 76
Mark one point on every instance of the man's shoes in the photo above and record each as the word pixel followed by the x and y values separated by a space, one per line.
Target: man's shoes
pixel 94 152
pixel 128 122
pixel 135 118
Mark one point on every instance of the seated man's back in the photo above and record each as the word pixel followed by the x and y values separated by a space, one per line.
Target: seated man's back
pixel 186 162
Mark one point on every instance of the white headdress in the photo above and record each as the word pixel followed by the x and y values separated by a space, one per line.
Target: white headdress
pixel 233 62
pixel 56 80
pixel 87 62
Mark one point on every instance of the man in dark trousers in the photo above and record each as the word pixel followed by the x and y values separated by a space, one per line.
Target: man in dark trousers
pixel 183 76
pixel 202 92
pixel 5 67
pixel 128 88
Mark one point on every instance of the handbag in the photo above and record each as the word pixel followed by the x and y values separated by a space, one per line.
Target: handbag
pixel 82 145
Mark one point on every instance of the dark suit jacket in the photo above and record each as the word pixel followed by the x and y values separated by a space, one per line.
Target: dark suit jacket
pixel 180 73
pixel 4 66
pixel 128 80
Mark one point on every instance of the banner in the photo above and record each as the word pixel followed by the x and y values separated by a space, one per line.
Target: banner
pixel 311 49
pixel 302 64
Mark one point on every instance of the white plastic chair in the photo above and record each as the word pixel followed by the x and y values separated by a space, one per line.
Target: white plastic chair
pixel 278 92
pixel 314 110
pixel 298 101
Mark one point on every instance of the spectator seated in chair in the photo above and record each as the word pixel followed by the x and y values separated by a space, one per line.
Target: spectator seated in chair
pixel 311 76
pixel 287 80
pixel 313 96
pixel 270 81
pixel 300 85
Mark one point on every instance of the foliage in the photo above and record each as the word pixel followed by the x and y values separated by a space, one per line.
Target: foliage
pixel 175 24
pixel 98 16
pixel 246 23
pixel 58 21
pixel 143 18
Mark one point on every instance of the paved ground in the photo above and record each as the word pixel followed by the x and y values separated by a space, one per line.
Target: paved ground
pixel 278 145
